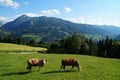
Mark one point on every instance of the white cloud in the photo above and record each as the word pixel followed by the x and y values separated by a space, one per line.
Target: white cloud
pixel 3 20
pixel 116 23
pixel 86 20
pixel 81 19
pixel 9 3
pixel 49 12
pixel 42 13
pixel 92 20
pixel 67 9
pixel 26 3
pixel 33 14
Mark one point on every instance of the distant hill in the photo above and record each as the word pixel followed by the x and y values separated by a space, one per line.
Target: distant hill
pixel 13 26
pixel 0 23
pixel 3 33
pixel 118 37
pixel 49 29
pixel 115 30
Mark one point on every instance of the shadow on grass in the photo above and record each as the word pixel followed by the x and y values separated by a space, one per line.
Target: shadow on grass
pixel 26 72
pixel 52 72
pixel 15 73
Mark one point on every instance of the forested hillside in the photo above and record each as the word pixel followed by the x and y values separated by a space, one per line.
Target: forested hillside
pixel 3 33
pixel 75 45
pixel 118 37
pixel 49 29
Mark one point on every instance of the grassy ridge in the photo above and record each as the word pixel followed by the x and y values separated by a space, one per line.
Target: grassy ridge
pixel 13 67
pixel 5 47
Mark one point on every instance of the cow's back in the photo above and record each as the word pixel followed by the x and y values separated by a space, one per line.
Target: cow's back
pixel 68 61
pixel 33 62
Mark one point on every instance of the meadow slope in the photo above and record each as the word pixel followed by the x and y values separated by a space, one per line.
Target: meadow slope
pixel 13 67
pixel 8 47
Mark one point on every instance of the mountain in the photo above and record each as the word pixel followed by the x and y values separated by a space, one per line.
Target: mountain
pixel 49 29
pixel 3 33
pixel 12 26
pixel 118 37
pixel 112 29
pixel 0 23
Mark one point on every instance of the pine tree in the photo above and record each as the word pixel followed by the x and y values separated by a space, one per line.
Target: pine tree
pixel 84 49
pixel 101 48
pixel 108 47
pixel 54 48
pixel 75 43
pixel 72 43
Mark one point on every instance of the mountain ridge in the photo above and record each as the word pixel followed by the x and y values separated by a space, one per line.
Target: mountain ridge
pixel 49 28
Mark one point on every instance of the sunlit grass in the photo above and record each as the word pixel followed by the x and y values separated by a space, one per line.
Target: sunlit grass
pixel 13 67
pixel 5 47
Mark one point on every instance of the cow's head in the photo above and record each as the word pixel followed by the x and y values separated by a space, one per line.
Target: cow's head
pixel 79 68
pixel 44 61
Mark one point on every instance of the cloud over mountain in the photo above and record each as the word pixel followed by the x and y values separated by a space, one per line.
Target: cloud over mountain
pixel 3 20
pixel 9 3
pixel 50 12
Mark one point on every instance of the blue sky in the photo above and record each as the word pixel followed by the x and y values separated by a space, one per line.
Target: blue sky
pixel 102 12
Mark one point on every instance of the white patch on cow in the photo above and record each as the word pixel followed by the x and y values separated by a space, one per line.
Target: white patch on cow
pixel 44 61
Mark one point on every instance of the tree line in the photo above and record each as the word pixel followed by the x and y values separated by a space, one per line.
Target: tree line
pixel 22 41
pixel 75 45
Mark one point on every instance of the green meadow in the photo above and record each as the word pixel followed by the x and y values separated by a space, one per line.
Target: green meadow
pixel 7 47
pixel 13 67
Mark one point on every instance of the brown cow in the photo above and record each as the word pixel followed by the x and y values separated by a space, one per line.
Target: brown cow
pixel 69 62
pixel 35 62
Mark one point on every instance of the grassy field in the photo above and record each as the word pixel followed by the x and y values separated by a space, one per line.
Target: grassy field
pixel 13 67
pixel 5 47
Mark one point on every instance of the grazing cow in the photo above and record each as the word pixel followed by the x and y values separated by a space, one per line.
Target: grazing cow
pixel 69 62
pixel 35 62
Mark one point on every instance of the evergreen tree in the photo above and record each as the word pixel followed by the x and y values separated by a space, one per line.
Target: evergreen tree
pixel 72 44
pixel 9 39
pixel 84 48
pixel 62 45
pixel 68 45
pixel 75 43
pixel 116 49
pixel 54 48
pixel 101 48
pixel 32 41
pixel 108 47
pixel 20 41
pixel 92 47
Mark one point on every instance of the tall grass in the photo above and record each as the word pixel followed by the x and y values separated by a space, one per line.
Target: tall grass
pixel 13 67
pixel 5 47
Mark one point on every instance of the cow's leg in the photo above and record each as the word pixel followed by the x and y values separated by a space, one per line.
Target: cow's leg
pixel 79 68
pixel 39 68
pixel 72 67
pixel 64 67
pixel 61 67
pixel 29 68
